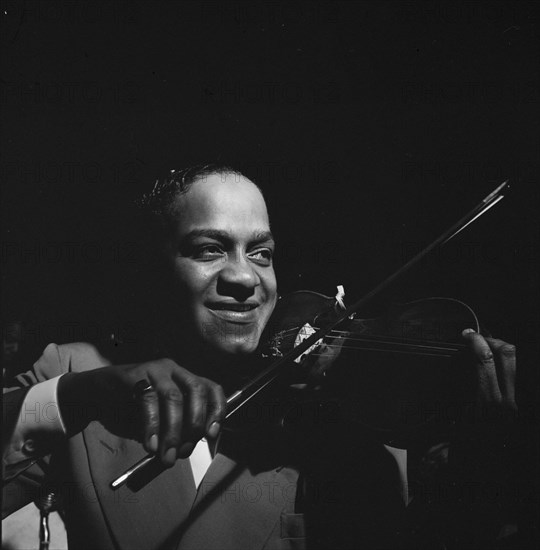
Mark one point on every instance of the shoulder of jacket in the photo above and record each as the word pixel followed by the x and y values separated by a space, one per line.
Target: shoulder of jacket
pixel 81 356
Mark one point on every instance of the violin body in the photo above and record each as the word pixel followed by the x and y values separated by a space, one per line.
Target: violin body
pixel 397 376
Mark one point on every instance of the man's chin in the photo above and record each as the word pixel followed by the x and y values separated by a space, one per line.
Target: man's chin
pixel 236 348
pixel 236 344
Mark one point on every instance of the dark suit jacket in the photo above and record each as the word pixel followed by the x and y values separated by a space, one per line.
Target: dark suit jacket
pixel 247 499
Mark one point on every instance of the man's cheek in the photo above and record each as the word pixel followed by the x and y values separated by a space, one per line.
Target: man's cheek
pixel 210 331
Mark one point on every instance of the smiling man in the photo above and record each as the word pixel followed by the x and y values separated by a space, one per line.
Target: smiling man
pixel 215 490
pixel 221 254
pixel 213 251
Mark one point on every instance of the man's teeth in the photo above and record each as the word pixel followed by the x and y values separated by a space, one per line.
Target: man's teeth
pixel 235 307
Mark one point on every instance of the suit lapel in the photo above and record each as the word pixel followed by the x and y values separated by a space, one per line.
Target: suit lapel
pixel 236 508
pixel 221 469
pixel 147 512
pixel 233 507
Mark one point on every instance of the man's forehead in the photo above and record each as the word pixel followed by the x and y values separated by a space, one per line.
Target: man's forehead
pixel 216 194
pixel 230 204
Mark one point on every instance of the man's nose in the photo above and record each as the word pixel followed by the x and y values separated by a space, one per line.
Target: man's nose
pixel 238 278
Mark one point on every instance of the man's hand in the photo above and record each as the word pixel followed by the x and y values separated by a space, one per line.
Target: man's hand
pixel 463 483
pixel 177 410
pixel 495 378
pixel 484 423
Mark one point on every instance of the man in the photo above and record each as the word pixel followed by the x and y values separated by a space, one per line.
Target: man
pixel 216 248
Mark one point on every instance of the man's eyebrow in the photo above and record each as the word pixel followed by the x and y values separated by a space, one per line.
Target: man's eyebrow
pixel 263 236
pixel 219 235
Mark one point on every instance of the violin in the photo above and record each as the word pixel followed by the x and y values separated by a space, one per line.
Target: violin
pixel 407 355
pixel 393 375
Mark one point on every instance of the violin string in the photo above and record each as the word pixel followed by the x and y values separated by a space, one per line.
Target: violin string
pixel 397 347
pixel 425 345
pixel 391 346
pixel 395 341
pixel 295 330
pixel 402 341
pixel 335 331
pixel 412 349
pixel 408 349
pixel 418 353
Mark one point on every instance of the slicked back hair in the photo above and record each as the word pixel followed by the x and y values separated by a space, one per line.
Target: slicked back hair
pixel 162 199
pixel 157 212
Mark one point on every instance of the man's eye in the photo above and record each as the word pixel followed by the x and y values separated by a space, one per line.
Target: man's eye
pixel 263 256
pixel 208 252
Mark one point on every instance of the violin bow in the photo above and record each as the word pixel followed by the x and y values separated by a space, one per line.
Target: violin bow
pixel 239 398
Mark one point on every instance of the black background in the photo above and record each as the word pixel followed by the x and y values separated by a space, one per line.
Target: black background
pixel 371 126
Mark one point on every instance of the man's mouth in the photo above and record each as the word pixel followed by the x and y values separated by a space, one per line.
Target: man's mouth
pixel 233 306
pixel 234 312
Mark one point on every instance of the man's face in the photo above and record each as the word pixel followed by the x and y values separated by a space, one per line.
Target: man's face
pixel 222 258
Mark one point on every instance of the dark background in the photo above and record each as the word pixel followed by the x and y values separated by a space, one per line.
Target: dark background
pixel 371 126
